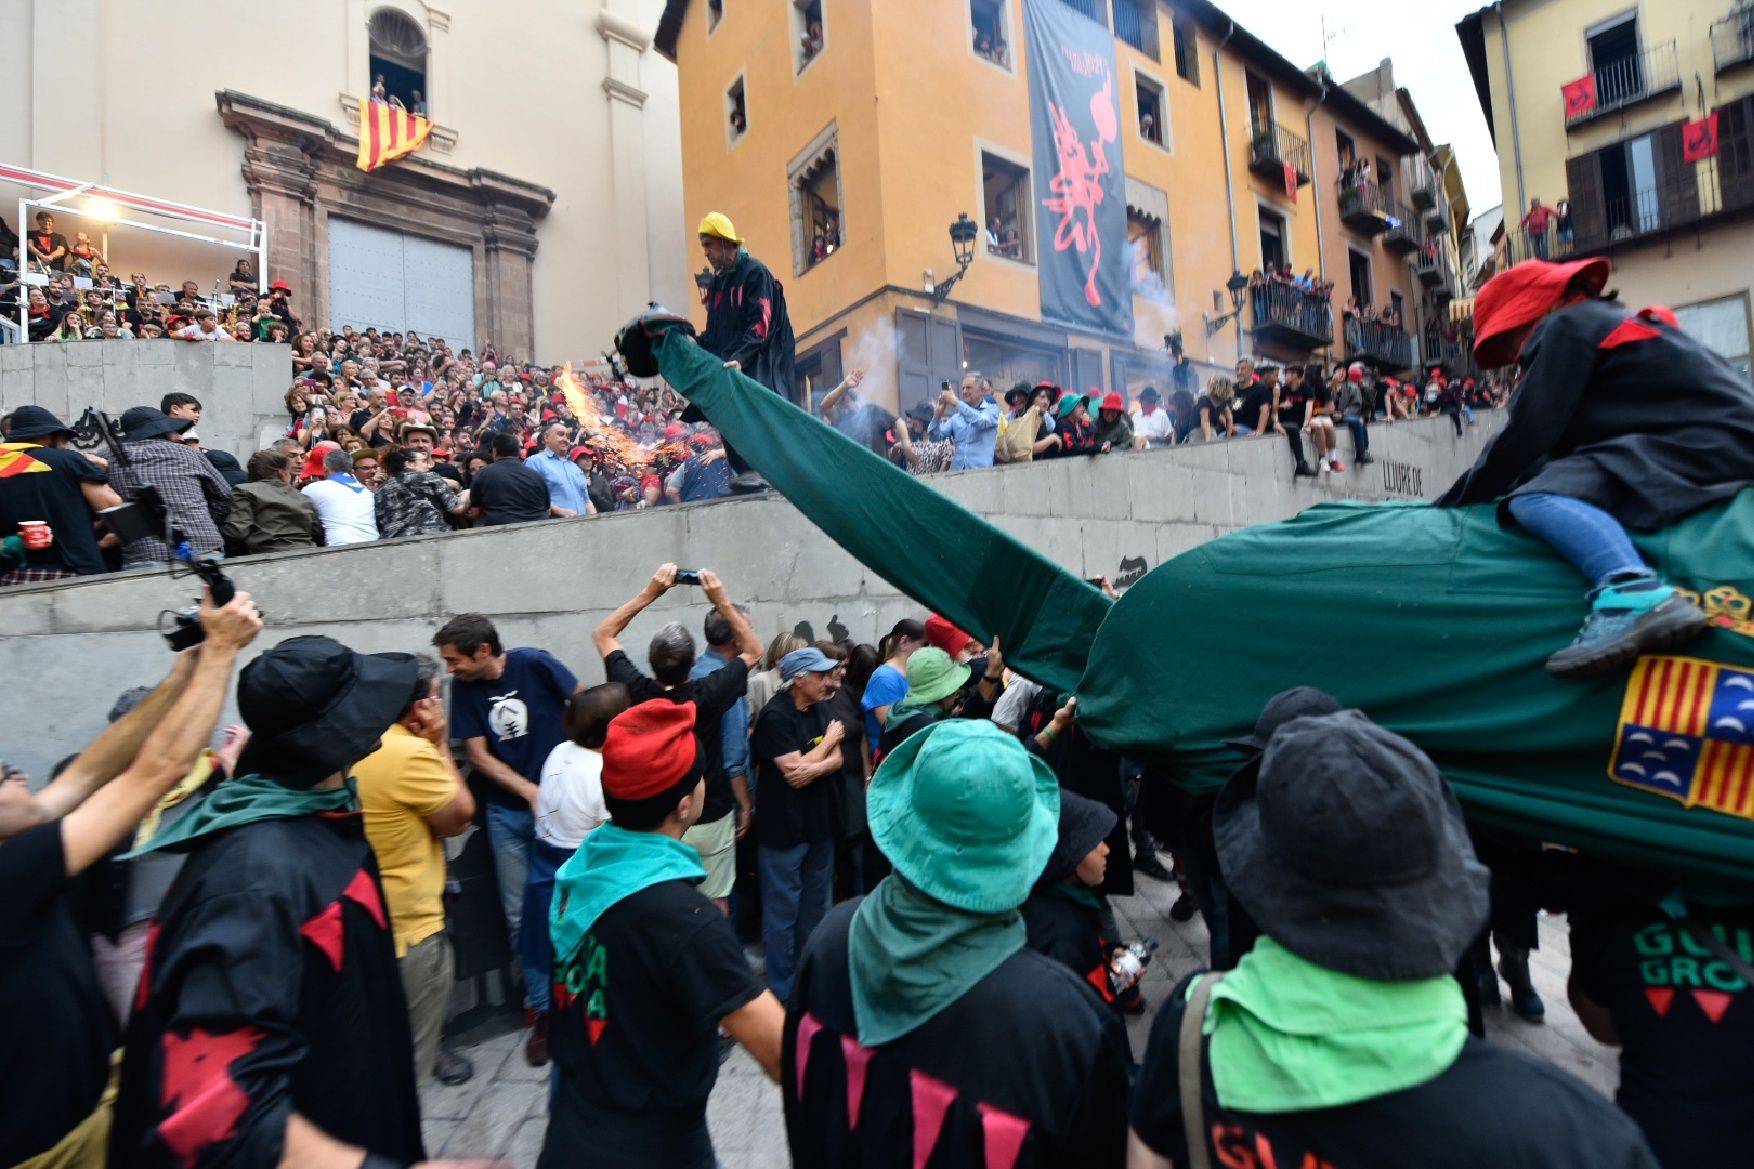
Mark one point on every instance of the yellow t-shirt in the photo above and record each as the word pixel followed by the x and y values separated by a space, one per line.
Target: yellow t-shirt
pixel 400 785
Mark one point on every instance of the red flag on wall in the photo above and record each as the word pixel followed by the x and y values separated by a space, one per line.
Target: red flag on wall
pixel 387 132
pixel 1699 139
pixel 1291 182
pixel 1580 96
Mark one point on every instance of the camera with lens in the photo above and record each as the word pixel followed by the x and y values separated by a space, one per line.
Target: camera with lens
pixel 144 517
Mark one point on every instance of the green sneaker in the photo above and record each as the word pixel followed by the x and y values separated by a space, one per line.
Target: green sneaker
pixel 1628 620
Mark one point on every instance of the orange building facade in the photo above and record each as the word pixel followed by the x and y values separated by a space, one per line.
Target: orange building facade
pixel 844 137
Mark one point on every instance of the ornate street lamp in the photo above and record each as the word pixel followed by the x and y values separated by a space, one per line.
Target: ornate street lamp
pixel 963 234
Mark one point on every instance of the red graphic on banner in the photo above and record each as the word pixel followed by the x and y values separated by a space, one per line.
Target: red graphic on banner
pixel 1291 182
pixel 1077 187
pixel 1580 96
pixel 1699 139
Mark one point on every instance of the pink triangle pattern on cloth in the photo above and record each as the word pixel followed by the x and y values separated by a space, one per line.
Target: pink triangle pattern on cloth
pixel 858 1058
pixel 932 1099
pixel 1003 1135
pixel 808 1026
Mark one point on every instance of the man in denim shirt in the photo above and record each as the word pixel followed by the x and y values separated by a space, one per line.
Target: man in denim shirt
pixel 971 423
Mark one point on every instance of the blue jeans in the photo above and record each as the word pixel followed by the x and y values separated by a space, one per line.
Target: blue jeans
pixel 1360 433
pixel 796 884
pixel 511 832
pixel 1581 532
pixel 535 945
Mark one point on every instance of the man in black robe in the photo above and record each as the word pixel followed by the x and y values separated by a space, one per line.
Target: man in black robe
pixel 747 325
pixel 269 1027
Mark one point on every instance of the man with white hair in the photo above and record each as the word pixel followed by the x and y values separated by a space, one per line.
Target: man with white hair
pixel 344 504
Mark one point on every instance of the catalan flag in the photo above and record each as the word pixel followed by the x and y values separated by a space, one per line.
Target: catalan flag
pixel 1687 732
pixel 387 132
pixel 15 459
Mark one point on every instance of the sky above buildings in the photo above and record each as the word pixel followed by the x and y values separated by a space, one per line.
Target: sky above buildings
pixel 1419 36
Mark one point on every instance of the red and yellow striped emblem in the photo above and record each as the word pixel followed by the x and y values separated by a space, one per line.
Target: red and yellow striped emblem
pixel 15 459
pixel 1687 732
pixel 387 132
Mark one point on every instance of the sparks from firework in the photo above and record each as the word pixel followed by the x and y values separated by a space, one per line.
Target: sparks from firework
pixel 598 430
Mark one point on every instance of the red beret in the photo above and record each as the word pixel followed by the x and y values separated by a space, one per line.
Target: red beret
pixel 649 748
pixel 945 636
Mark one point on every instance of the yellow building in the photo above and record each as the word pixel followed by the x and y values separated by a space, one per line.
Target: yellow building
pixel 875 125
pixel 544 208
pixel 1590 102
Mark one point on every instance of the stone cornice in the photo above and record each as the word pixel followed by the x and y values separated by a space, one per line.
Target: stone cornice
pixel 621 91
pixel 612 26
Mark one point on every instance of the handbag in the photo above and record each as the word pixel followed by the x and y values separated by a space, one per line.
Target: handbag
pixel 1191 1069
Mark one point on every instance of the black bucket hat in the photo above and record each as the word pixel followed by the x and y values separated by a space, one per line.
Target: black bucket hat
pixel 314 707
pixel 1348 848
pixel 1084 823
pixel 142 422
pixel 33 422
pixel 1297 702
pixel 1017 394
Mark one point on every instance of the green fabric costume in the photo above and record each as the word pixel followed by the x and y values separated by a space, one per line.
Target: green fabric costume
pixel 1434 621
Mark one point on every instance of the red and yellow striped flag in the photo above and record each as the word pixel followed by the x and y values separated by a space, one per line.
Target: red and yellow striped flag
pixel 387 132
pixel 15 460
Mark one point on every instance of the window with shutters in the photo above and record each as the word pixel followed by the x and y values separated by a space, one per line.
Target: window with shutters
pixel 1187 50
pixel 1005 199
pixel 398 60
pixel 1735 154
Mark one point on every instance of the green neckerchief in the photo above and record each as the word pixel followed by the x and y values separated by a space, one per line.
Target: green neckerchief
pixel 1080 894
pixel 1291 1036
pixel 611 864
pixel 246 800
pixel 909 956
pixel 906 709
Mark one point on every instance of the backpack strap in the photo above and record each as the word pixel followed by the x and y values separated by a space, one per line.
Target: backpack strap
pixel 1701 933
pixel 1191 1067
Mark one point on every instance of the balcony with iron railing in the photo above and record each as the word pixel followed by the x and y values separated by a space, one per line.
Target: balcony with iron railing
pixel 1429 267
pixel 1285 314
pixel 1422 185
pixel 1622 82
pixel 1405 232
pixel 1384 346
pixel 1365 206
pixel 1732 39
pixel 1272 148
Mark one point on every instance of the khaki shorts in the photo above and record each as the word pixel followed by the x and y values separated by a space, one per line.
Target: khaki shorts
pixel 717 845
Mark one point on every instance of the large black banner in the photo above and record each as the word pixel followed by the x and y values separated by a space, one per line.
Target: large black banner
pixel 1080 185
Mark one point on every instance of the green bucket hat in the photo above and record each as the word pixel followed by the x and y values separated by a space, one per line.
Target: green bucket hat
pixel 933 674
pixel 1068 404
pixel 968 815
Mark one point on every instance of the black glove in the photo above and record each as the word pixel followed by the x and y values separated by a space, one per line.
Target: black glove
pixel 638 340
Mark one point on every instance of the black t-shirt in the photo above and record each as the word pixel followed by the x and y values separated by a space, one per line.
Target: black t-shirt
pixel 1249 403
pixel 1028 1047
pixel 1071 934
pixel 55 497
pixel 712 696
pixel 507 492
pixel 46 243
pixel 636 1013
pixel 1686 1024
pixel 55 1044
pixel 1492 1106
pixel 787 816
pixel 1292 403
pixel 850 807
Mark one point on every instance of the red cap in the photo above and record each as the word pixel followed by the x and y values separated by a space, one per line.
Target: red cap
pixel 675 430
pixel 314 461
pixel 1522 295
pixel 649 748
pixel 946 636
pixel 1355 375
pixel 280 286
pixel 1113 401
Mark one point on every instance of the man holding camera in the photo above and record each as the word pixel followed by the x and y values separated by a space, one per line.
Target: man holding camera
pixel 55 1047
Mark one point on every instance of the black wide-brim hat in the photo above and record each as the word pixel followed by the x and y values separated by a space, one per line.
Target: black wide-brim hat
pixel 1348 848
pixel 1297 702
pixel 143 422
pixel 29 423
pixel 315 707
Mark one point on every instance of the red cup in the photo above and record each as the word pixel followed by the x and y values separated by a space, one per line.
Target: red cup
pixel 36 534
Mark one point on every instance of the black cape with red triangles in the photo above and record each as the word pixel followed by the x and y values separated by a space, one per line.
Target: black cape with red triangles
pixel 270 987
pixel 1623 411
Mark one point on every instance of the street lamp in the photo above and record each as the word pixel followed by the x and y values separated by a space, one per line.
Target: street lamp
pixel 1237 286
pixel 963 234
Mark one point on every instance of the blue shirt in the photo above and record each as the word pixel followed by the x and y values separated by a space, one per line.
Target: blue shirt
pixel 521 713
pixel 734 726
pixel 567 485
pixel 887 687
pixel 704 480
pixel 975 433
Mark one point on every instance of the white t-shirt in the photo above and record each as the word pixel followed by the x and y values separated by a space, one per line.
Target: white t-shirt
pixel 1156 426
pixel 194 333
pixel 569 802
pixel 347 509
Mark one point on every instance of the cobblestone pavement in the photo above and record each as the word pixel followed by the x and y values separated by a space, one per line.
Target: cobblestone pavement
pixel 503 1110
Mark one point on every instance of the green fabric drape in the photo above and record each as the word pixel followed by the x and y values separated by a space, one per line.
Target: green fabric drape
pixel 247 799
pixel 928 546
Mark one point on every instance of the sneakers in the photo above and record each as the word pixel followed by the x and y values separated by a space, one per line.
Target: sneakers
pixel 1514 965
pixel 1304 471
pixel 1627 619
pixel 452 1068
pixel 1336 464
pixel 1364 457
pixel 1183 909
pixel 536 1046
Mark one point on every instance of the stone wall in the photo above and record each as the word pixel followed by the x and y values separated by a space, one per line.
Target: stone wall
pixel 72 647
pixel 242 388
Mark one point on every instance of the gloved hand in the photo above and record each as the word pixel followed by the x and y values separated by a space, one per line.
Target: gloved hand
pixel 638 340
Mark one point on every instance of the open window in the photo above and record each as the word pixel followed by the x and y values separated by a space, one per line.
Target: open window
pixel 1187 49
pixel 398 60
pixel 1346 149
pixel 1145 238
pixel 814 181
pixel 807 31
pixel 1385 179
pixel 715 12
pixel 1005 200
pixel 1275 255
pixel 1260 96
pixel 988 32
pixel 1152 110
pixel 1358 271
pixel 1615 61
pixel 736 112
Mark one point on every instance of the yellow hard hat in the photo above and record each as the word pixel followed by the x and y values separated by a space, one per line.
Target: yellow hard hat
pixel 718 225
